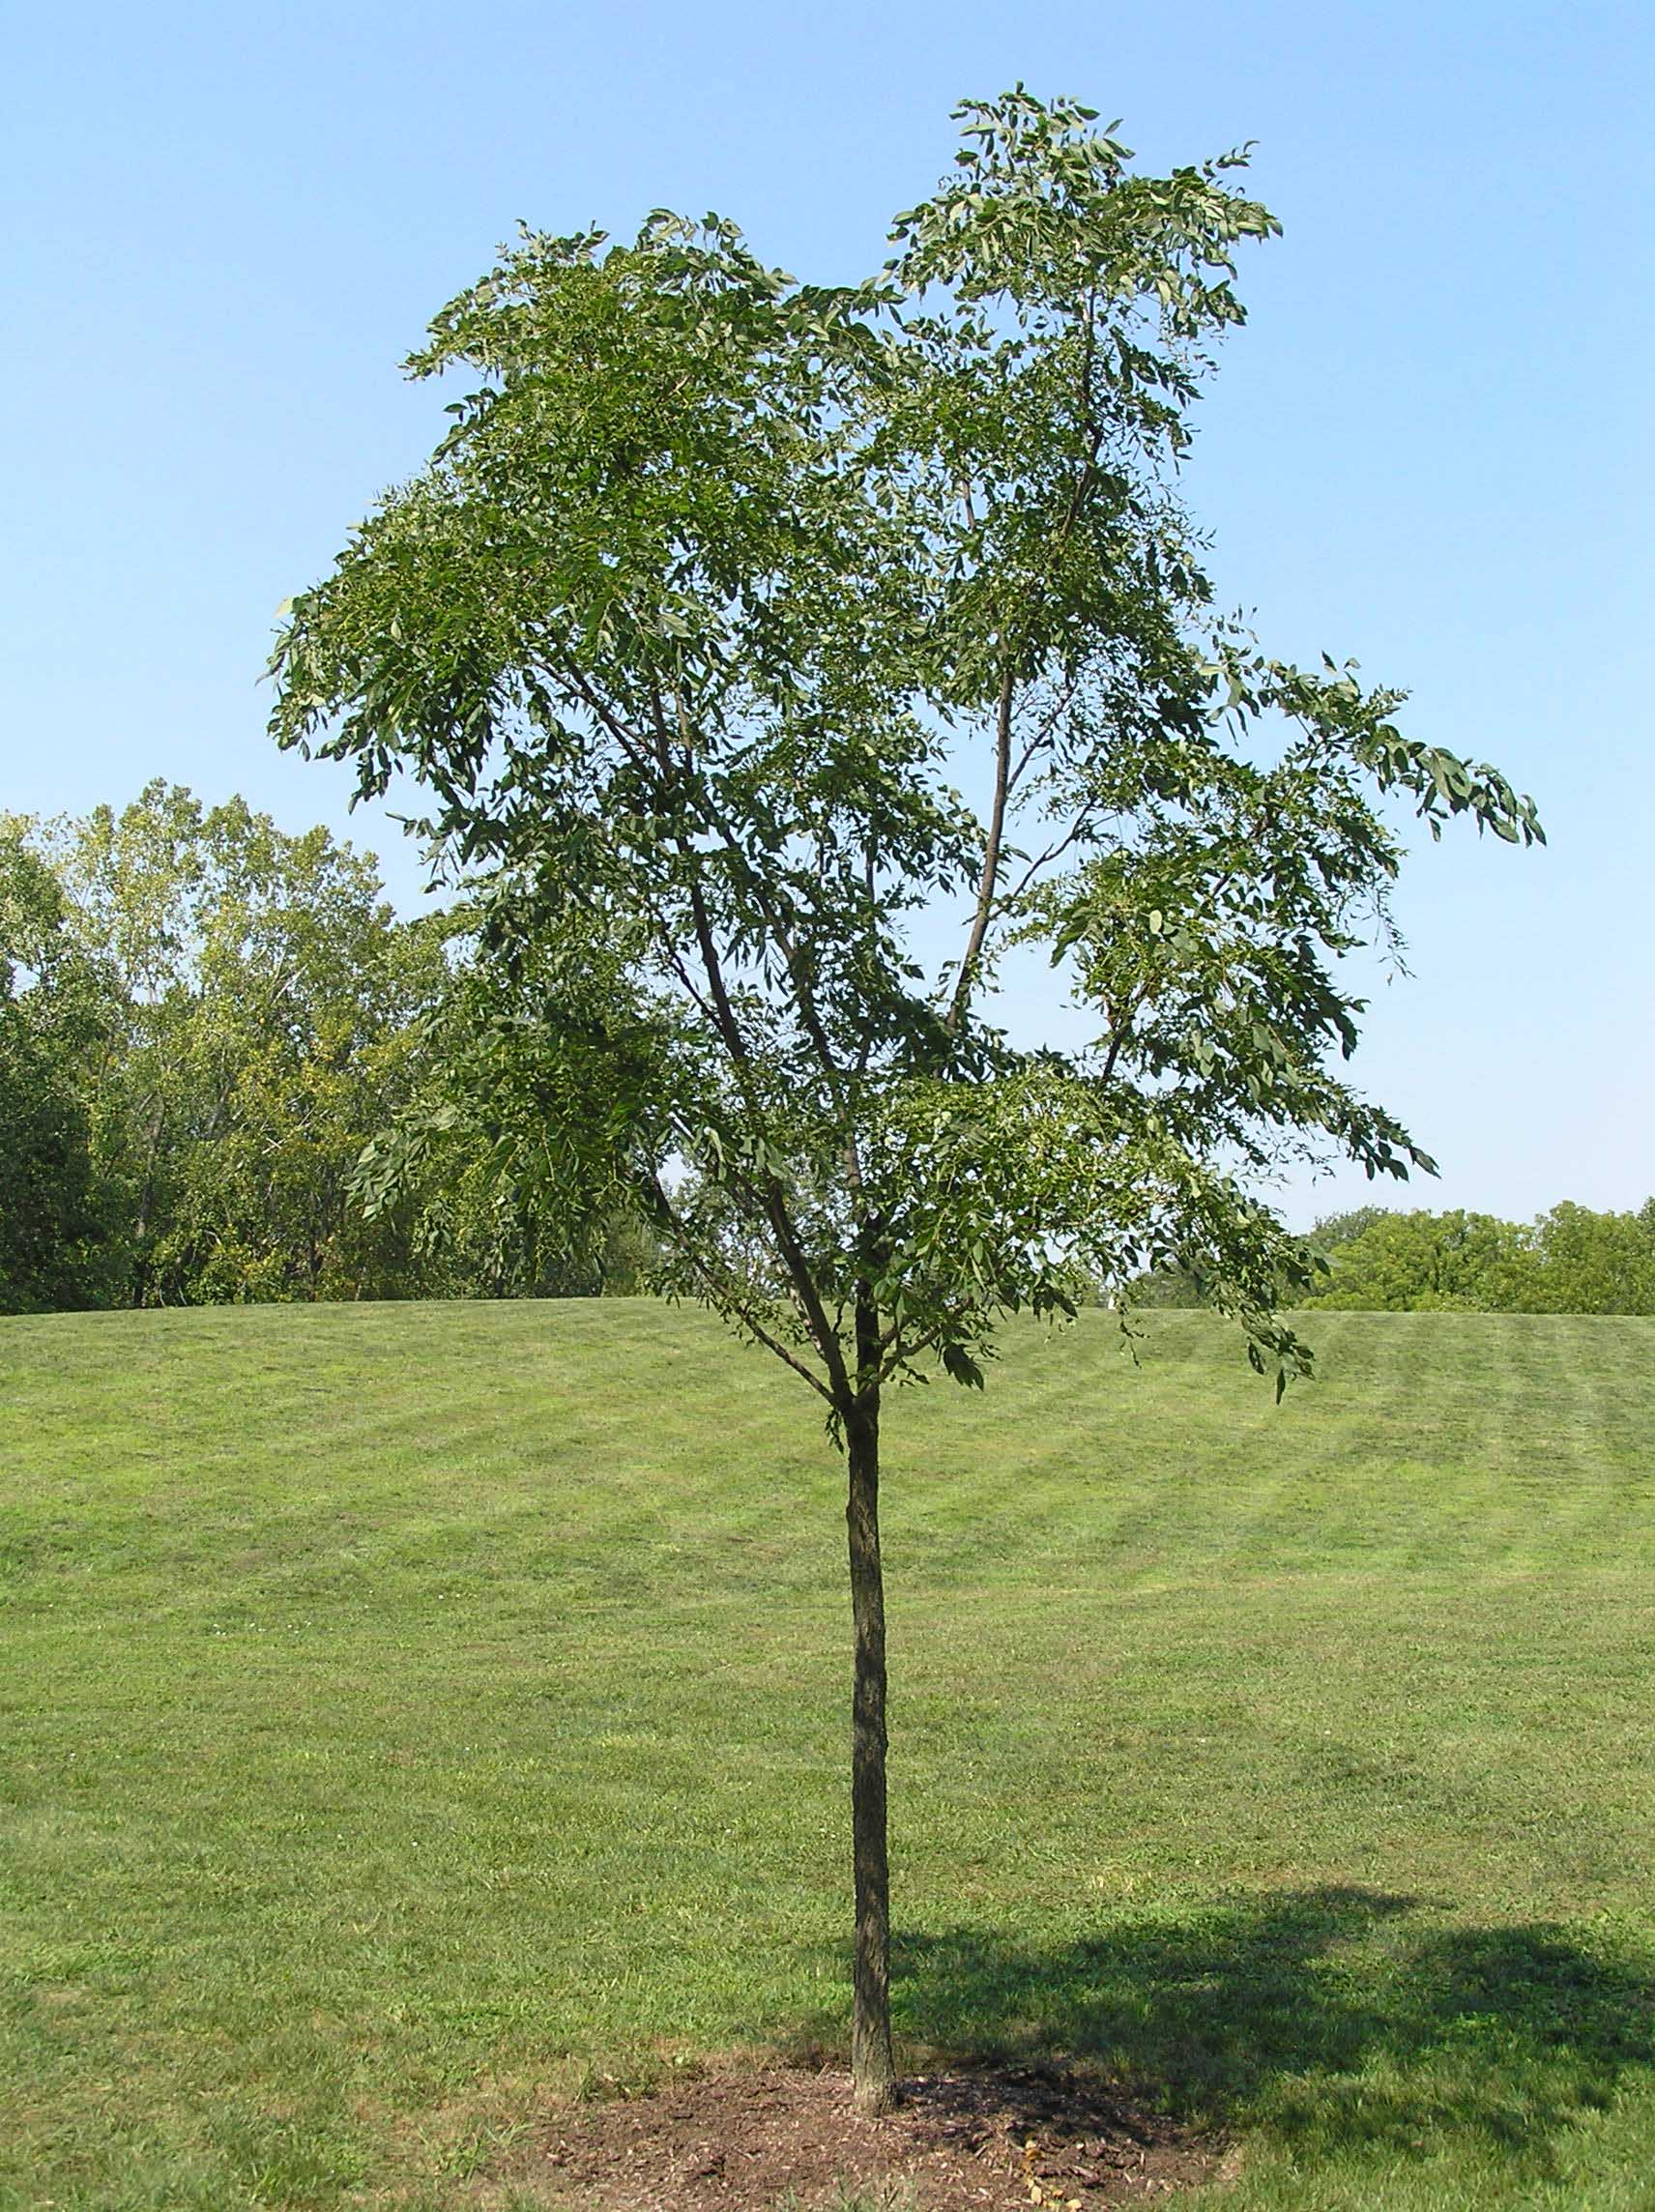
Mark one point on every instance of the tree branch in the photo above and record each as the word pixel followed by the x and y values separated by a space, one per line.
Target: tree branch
pixel 1044 859
pixel 1003 775
pixel 774 1206
pixel 991 856
pixel 723 1291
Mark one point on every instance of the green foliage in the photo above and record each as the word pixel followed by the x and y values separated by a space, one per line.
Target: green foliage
pixel 508 1151
pixel 1586 1263
pixel 266 999
pixel 1570 1260
pixel 54 1013
pixel 1336 1228
pixel 1171 1285
pixel 737 626
pixel 1420 1262
pixel 737 621
pixel 203 1023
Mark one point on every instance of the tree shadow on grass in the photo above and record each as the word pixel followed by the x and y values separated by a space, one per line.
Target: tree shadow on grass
pixel 1329 2018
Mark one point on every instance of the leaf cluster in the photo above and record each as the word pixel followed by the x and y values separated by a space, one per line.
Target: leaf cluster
pixel 740 629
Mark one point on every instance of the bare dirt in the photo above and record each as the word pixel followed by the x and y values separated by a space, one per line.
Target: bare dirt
pixel 748 2139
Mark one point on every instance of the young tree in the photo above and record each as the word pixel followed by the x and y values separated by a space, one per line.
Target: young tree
pixel 740 627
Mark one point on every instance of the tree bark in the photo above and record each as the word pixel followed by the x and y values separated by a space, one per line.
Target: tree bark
pixel 872 2073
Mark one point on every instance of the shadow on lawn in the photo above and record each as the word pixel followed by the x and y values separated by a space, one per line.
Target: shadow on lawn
pixel 1327 2017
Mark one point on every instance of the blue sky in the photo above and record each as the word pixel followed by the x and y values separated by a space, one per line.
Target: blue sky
pixel 1430 448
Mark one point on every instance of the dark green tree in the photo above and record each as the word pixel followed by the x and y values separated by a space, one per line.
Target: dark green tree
pixel 55 1021
pixel 737 625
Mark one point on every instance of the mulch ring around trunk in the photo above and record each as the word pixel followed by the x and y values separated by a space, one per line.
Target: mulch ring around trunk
pixel 732 2138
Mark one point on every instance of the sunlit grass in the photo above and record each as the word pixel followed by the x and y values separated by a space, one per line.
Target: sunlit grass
pixel 407 1708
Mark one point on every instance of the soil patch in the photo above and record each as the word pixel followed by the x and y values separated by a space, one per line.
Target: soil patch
pixel 748 2139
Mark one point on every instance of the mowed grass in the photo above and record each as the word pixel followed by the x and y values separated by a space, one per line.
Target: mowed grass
pixel 411 1711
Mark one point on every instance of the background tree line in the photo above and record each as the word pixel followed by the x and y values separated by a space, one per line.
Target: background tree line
pixel 1570 1259
pixel 203 1021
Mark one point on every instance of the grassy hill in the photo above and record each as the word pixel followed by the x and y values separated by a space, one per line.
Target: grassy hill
pixel 405 1709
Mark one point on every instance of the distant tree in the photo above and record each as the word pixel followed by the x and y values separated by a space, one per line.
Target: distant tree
pixel 203 1022
pixel 737 621
pixel 1581 1262
pixel 54 1013
pixel 1336 1228
pixel 1176 1283
pixel 1569 1261
pixel 267 1000
pixel 1421 1263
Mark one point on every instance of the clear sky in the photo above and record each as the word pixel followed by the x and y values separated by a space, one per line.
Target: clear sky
pixel 1430 448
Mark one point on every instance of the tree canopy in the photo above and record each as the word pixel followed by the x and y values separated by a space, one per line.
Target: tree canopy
pixel 1571 1260
pixel 721 586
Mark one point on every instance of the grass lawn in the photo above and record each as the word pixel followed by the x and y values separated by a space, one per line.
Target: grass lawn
pixel 409 1709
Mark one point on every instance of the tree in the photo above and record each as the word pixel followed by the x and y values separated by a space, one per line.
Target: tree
pixel 266 1003
pixel 1422 1263
pixel 740 628
pixel 203 1020
pixel 1177 1284
pixel 1581 1262
pixel 54 1012
pixel 1334 1230
pixel 1569 1261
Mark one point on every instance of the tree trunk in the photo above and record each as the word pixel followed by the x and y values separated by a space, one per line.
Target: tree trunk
pixel 872 2073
